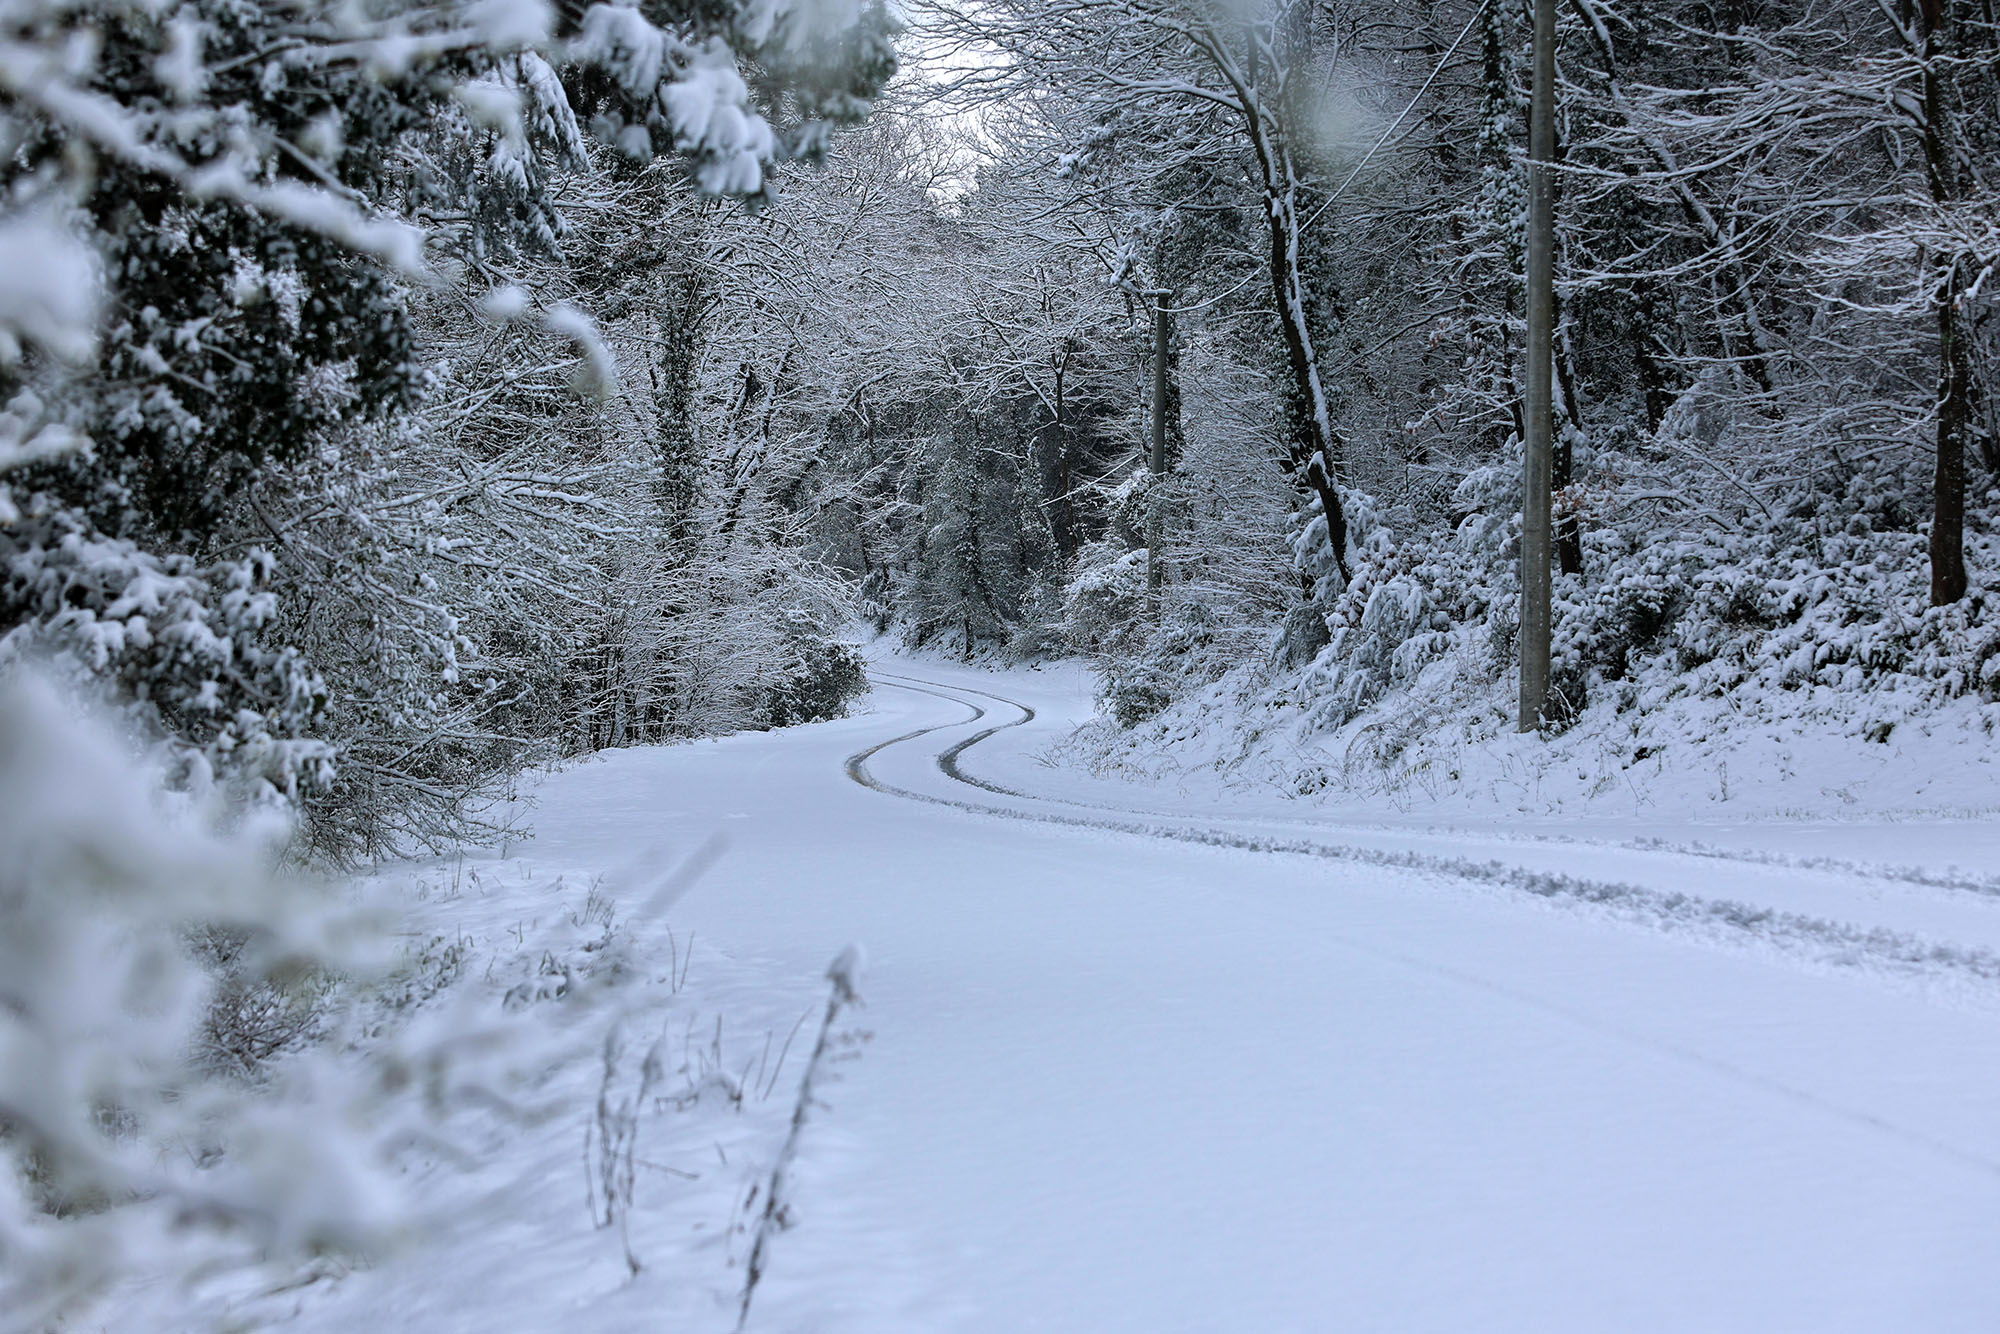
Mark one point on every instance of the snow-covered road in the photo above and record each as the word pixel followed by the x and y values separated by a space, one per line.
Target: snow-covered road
pixel 1153 1081
pixel 1152 1060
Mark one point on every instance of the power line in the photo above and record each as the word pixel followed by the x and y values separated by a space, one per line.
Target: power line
pixel 1443 60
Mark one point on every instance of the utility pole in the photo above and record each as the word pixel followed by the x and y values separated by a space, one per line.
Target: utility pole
pixel 1155 539
pixel 1535 515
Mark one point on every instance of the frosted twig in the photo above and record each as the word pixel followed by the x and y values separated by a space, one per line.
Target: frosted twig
pixel 842 973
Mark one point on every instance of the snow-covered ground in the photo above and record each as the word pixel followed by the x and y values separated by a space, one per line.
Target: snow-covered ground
pixel 1149 1058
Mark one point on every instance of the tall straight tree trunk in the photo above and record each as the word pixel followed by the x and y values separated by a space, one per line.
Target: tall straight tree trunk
pixel 683 328
pixel 1156 554
pixel 1055 466
pixel 1536 454
pixel 1954 407
pixel 1562 462
pixel 1954 413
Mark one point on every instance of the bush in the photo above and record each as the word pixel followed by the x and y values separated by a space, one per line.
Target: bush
pixel 117 1139
pixel 190 651
pixel 822 678
pixel 1136 692
pixel 253 1014
pixel 1104 608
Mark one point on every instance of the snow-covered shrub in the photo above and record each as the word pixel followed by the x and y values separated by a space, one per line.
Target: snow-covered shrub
pixel 754 639
pixel 190 649
pixel 818 681
pixel 1130 507
pixel 1185 650
pixel 1812 615
pixel 1388 622
pixel 1132 692
pixel 1041 631
pixel 409 588
pixel 1603 625
pixel 1385 629
pixel 1312 548
pixel 121 1153
pixel 1104 606
pixel 1770 614
pixel 1489 499
pixel 252 1015
pixel 215 1068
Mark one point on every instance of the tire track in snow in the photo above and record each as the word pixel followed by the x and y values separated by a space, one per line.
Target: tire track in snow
pixel 1951 880
pixel 857 763
pixel 1818 940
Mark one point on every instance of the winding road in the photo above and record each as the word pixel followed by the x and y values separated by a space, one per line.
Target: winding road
pixel 1152 1063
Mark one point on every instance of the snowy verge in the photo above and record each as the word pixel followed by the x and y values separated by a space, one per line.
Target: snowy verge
pixel 1444 744
pixel 654 1085
pixel 1793 671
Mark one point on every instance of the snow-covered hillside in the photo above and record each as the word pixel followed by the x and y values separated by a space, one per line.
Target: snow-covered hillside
pixel 1445 745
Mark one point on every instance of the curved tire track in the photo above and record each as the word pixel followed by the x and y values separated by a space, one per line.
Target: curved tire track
pixel 1820 941
pixel 1987 887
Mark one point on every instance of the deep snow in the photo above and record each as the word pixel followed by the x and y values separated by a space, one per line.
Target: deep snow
pixel 1129 1081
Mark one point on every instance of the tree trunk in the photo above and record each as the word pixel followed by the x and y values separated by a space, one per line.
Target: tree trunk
pixel 1954 409
pixel 1562 463
pixel 676 388
pixel 1954 412
pixel 1536 454
pixel 1316 457
pixel 1156 554
pixel 1314 450
pixel 1055 469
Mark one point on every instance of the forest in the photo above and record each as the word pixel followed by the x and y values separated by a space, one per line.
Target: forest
pixel 402 400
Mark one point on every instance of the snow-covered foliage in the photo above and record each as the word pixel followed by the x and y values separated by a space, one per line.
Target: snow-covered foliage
pixel 192 651
pixel 269 474
pixel 1669 653
pixel 678 79
pixel 120 1153
pixel 1104 607
pixel 226 1088
pixel 339 541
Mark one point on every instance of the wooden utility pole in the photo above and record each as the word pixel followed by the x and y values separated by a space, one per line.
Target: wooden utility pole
pixel 1155 539
pixel 1535 516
